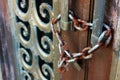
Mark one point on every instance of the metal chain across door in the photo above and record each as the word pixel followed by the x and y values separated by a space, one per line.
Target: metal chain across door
pixel 49 37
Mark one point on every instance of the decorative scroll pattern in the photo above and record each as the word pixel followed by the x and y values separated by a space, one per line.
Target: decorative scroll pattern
pixel 35 49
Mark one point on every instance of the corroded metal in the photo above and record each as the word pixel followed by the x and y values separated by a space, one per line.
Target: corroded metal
pixel 63 47
pixel 36 48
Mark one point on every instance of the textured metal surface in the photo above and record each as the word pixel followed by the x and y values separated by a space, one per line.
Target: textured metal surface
pixel 77 40
pixel 36 49
pixel 100 65
pixel 98 16
pixel 64 14
pixel 115 69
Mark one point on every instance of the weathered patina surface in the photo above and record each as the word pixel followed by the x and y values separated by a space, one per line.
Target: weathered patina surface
pixel 28 47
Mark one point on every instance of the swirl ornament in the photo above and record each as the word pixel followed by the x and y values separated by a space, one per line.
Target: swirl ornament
pixel 21 36
pixel 35 48
pixel 23 4
pixel 45 71
pixel 26 76
pixel 46 43
pixel 25 58
pixel 42 25
pixel 46 68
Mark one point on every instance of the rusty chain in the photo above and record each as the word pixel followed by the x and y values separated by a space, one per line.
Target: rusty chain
pixel 65 56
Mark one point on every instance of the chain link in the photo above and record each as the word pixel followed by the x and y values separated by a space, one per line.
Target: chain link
pixel 65 56
pixel 79 24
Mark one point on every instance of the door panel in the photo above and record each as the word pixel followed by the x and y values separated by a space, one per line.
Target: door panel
pixel 99 65
pixel 32 49
pixel 36 52
pixel 77 40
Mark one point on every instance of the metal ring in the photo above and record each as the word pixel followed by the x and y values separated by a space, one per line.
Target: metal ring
pixel 108 40
pixel 106 26
pixel 102 35
pixel 88 56
pixel 60 62
pixel 62 69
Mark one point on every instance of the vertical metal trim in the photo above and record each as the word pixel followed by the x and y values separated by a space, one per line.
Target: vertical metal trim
pixel 98 15
pixel 64 9
pixel 64 14
pixel 56 11
pixel 91 9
